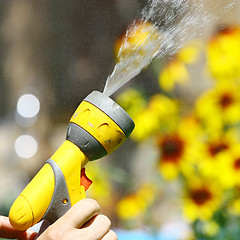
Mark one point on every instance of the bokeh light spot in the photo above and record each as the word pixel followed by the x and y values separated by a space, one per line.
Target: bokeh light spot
pixel 28 106
pixel 26 146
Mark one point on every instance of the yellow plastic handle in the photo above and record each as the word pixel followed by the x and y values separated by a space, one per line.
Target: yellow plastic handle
pixel 33 202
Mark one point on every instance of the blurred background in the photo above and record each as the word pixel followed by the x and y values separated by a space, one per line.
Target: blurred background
pixel 160 184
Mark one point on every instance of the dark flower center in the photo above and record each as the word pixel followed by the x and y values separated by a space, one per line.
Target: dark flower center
pixel 200 196
pixel 237 163
pixel 226 100
pixel 172 148
pixel 216 148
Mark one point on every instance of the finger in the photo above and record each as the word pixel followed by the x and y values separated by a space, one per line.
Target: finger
pixel 97 227
pixel 7 231
pixel 111 235
pixel 30 235
pixel 80 213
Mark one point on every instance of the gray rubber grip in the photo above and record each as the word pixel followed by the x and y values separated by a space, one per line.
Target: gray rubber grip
pixel 57 208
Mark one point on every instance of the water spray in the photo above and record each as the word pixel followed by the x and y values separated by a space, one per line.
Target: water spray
pixel 163 28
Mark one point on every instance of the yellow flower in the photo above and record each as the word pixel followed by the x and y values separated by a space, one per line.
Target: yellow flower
pixel 178 154
pixel 160 112
pixel 203 198
pixel 148 117
pixel 176 70
pixel 172 149
pixel 130 207
pixel 209 163
pixel 137 39
pixel 190 127
pixel 229 169
pixel 211 228
pixel 189 54
pixel 132 101
pixel 101 188
pixel 135 205
pixel 234 207
pixel 180 148
pixel 223 54
pixel 219 106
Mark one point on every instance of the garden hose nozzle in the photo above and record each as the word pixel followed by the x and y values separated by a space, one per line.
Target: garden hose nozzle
pixel 98 127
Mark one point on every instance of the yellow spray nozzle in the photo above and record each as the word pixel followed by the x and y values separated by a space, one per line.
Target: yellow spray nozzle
pixel 103 124
pixel 98 127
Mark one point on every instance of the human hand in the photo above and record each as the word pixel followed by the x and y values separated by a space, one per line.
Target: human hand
pixel 82 221
pixel 7 231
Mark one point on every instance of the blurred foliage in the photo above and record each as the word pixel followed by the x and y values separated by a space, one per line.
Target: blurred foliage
pixel 198 144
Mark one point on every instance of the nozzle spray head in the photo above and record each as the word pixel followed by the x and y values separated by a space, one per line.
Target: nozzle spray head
pixel 102 124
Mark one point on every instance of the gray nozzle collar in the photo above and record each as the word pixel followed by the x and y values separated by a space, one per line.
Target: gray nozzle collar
pixel 113 110
pixel 85 141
